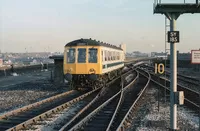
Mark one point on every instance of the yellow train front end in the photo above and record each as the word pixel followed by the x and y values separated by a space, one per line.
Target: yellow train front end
pixel 82 60
pixel 90 64
pixel 82 65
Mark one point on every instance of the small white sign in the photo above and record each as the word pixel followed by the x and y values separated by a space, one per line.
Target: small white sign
pixel 195 57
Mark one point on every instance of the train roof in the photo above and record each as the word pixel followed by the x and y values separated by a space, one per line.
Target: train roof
pixel 90 42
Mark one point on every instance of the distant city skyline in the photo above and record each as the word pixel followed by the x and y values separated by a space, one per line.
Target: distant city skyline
pixel 47 25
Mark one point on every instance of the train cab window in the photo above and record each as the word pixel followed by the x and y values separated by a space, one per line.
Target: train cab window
pixel 92 57
pixel 81 55
pixel 71 55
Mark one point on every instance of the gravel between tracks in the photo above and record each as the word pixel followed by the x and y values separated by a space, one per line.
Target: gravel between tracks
pixel 54 122
pixel 147 117
pixel 26 93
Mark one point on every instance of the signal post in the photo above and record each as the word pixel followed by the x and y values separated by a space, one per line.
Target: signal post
pixel 172 12
pixel 159 70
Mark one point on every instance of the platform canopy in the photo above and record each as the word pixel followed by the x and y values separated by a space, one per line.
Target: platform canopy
pixel 178 6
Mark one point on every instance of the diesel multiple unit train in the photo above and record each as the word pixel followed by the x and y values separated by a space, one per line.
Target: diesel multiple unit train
pixel 89 63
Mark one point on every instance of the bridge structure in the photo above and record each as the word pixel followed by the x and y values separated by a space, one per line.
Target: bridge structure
pixel 172 11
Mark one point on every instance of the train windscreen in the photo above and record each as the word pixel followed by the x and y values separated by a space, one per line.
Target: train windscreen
pixel 92 57
pixel 81 55
pixel 71 55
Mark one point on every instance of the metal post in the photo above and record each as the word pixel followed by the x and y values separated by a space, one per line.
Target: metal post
pixel 158 94
pixel 199 107
pixel 173 78
pixel 199 110
pixel 165 55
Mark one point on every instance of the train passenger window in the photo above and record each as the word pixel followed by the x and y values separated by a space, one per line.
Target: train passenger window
pixel 71 55
pixel 108 55
pixel 118 56
pixel 114 55
pixel 92 57
pixel 102 56
pixel 105 55
pixel 81 55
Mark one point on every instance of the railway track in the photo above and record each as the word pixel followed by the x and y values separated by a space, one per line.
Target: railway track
pixel 105 93
pixel 108 105
pixel 183 80
pixel 34 105
pixel 102 115
pixel 186 82
pixel 131 97
pixel 103 96
pixel 23 117
pixel 107 111
pixel 105 116
pixel 191 96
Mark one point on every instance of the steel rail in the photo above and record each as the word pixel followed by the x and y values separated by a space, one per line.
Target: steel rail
pixel 117 107
pixel 81 111
pixel 49 112
pixel 94 112
pixel 182 80
pixel 36 104
pixel 186 80
pixel 178 74
pixel 186 99
pixel 28 107
pixel 191 90
pixel 194 104
pixel 127 116
pixel 94 100
pixel 120 102
pixel 169 80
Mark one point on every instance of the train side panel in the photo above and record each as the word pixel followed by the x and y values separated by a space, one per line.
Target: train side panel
pixel 113 59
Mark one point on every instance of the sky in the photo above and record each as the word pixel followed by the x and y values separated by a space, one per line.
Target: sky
pixel 47 25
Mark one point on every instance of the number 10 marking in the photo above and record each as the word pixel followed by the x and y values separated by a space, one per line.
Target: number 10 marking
pixel 159 68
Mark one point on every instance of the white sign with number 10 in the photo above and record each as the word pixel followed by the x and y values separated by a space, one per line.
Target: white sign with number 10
pixel 159 68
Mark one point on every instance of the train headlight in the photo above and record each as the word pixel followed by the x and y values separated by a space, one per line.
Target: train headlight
pixel 69 70
pixel 92 71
